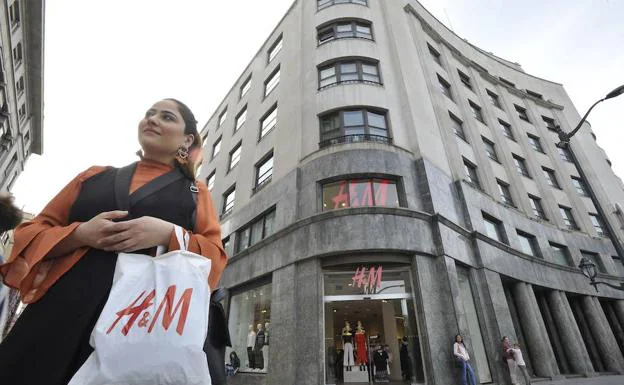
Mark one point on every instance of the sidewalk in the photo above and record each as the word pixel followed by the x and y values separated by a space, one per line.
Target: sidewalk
pixel 599 380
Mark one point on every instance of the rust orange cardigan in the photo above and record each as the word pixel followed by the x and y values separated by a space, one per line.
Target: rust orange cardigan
pixel 27 271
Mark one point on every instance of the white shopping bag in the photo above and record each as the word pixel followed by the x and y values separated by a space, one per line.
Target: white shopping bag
pixel 154 324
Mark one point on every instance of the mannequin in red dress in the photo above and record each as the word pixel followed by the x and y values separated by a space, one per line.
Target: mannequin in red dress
pixel 360 346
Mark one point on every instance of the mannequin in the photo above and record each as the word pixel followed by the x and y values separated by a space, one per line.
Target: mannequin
pixel 251 339
pixel 265 348
pixel 360 346
pixel 347 340
pixel 257 351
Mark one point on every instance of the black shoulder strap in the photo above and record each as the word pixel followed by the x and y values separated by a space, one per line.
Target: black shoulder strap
pixel 155 185
pixel 123 178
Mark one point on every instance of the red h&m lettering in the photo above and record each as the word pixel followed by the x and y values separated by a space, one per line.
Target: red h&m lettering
pixel 135 311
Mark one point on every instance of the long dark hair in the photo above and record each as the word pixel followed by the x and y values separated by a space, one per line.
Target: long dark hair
pixel 190 165
pixel 10 216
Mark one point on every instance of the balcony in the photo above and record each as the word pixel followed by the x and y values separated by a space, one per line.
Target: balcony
pixel 355 139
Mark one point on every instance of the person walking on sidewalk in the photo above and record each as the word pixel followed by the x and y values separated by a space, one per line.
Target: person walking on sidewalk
pixel 462 356
pixel 517 353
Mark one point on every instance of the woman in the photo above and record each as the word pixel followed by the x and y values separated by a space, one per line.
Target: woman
pixel 508 358
pixel 10 216
pixel 63 261
pixel 462 356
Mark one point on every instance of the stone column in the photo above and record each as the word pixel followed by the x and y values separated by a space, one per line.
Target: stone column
pixel 553 334
pixel 619 310
pixel 577 355
pixel 603 336
pixel 616 326
pixel 590 344
pixel 542 355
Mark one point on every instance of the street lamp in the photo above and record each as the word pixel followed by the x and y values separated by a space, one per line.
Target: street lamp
pixel 589 270
pixel 564 138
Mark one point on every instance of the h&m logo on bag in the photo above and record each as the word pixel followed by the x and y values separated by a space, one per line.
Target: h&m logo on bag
pixel 135 311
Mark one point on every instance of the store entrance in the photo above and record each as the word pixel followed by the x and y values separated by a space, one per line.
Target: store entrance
pixel 382 345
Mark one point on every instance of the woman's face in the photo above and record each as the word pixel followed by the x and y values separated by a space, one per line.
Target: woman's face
pixel 506 340
pixel 161 131
pixel 458 338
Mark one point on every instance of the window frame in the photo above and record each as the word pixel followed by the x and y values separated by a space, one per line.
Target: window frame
pixel 477 111
pixel 521 166
pixel 331 3
pixel 445 87
pixel 532 243
pixel 498 227
pixel 333 26
pixel 494 99
pixel 522 113
pixel 269 79
pixel 506 129
pixel 338 74
pixel 222 118
pixel 568 221
pixel 366 127
pixel 468 167
pixel 461 134
pixel 237 147
pixel 244 88
pixel 551 177
pixel 370 179
pixel 260 184
pixel 213 176
pixel 490 149
pixel 598 224
pixel 505 193
pixel 241 112
pixel 581 187
pixel 435 53
pixel 265 131
pixel 250 226
pixel 535 143
pixel 551 124
pixel 271 53
pixel 537 208
pixel 224 209
pixel 565 252
pixel 219 142
pixel 565 154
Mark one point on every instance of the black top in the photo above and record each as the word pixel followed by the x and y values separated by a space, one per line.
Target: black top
pixel 380 359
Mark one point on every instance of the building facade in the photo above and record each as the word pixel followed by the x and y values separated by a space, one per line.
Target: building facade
pixel 371 166
pixel 21 86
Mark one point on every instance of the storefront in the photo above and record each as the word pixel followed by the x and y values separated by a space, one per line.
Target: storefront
pixel 377 303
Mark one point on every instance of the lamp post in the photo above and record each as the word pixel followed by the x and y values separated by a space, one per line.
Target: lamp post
pixel 564 142
pixel 589 270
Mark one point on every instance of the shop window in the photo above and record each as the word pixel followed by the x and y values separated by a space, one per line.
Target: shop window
pixel 249 326
pixel 256 230
pixel 359 193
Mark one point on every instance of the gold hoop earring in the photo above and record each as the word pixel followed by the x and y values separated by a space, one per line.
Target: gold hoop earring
pixel 183 153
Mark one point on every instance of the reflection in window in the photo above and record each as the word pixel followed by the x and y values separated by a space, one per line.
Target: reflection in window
pixel 360 193
pixel 249 325
pixel 255 231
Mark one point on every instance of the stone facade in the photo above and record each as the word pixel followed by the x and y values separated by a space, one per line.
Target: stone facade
pixel 462 279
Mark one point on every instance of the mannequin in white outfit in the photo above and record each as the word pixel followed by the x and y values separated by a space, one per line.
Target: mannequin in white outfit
pixel 265 348
pixel 347 341
pixel 251 340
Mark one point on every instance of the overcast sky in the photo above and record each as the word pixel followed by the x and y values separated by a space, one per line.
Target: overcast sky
pixel 106 62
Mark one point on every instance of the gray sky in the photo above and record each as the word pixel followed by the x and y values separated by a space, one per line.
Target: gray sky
pixel 106 62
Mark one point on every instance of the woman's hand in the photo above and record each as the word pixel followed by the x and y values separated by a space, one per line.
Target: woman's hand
pixel 136 234
pixel 90 233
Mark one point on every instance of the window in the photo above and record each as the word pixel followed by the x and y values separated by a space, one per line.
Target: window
pixel 535 94
pixel 595 259
pixel 560 254
pixel 565 154
pixel 17 53
pixel 534 142
pixel 268 122
pixel 505 193
pixel 580 186
pixel 506 128
pixel 351 71
pixel 522 113
pixel 320 4
pixel 228 200
pixel 550 123
pixel 210 180
pixel 240 119
pixel 536 206
pixel 435 54
pixel 520 164
pixel 471 172
pixel 271 82
pixel 528 243
pixel 458 127
pixel 226 243
pixel 20 85
pixel 493 228
pixel 476 111
pixel 360 193
pixel 275 49
pixel 353 126
pixel 22 111
pixel 264 171
pixel 489 149
pixel 14 13
pixel 245 87
pixel 568 218
pixel 445 87
pixel 345 29
pixel 222 118
pixel 248 310
pixel 464 79
pixel 506 82
pixel 235 155
pixel 216 147
pixel 255 231
pixel 551 178
pixel 494 99
pixel 618 265
pixel 596 221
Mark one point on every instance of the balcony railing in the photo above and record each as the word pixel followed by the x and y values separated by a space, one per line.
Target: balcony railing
pixel 355 139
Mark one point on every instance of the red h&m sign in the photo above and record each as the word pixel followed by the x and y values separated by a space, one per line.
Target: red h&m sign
pixel 370 282
pixel 358 193
pixel 135 311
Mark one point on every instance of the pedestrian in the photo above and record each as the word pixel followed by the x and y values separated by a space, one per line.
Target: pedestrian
pixel 517 353
pixel 406 370
pixel 508 358
pixel 463 358
pixel 63 260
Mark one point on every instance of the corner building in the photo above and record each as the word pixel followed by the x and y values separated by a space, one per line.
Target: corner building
pixel 366 135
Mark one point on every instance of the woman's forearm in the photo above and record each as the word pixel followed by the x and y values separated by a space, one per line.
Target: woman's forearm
pixel 67 245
